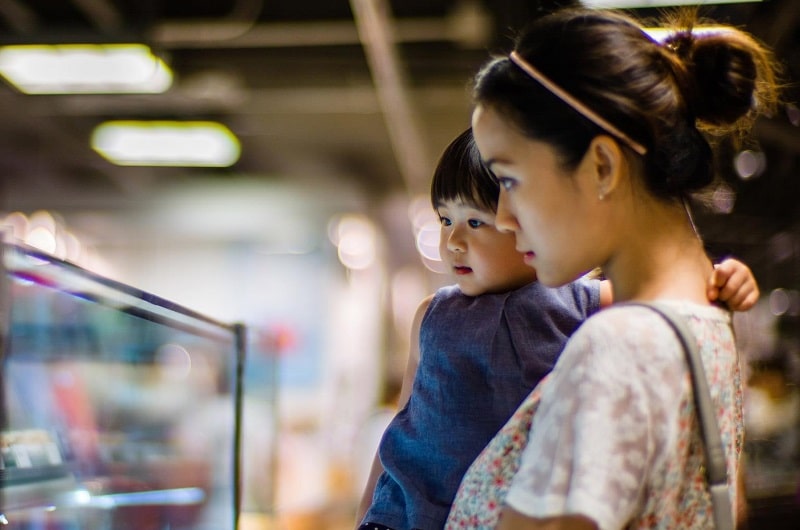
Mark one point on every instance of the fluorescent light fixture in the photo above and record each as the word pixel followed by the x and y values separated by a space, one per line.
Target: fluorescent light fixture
pixel 84 69
pixel 625 4
pixel 166 143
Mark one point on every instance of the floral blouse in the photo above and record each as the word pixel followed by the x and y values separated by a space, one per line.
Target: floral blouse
pixel 612 434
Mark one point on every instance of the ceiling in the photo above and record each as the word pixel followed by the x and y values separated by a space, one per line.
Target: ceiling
pixel 358 95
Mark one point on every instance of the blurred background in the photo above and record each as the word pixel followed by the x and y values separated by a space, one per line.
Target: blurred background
pixel 314 228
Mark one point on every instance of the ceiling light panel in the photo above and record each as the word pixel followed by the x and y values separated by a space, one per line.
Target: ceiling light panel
pixel 84 69
pixel 166 143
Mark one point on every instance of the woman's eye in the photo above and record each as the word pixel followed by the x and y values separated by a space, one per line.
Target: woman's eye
pixel 475 223
pixel 505 183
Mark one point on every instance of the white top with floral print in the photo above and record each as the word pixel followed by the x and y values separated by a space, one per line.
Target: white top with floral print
pixel 611 434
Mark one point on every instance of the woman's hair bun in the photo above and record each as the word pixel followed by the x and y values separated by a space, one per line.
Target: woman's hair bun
pixel 725 74
pixel 729 74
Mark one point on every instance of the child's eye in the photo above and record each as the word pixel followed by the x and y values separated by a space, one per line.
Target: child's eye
pixel 475 223
pixel 445 221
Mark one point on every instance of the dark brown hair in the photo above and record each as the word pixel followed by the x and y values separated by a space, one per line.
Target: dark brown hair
pixel 462 175
pixel 664 96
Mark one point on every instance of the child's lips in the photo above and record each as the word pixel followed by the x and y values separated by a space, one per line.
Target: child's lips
pixel 462 270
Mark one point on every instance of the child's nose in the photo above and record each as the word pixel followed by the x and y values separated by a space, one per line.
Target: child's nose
pixel 455 241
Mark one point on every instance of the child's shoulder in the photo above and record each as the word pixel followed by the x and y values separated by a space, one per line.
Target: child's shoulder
pixel 447 291
pixel 442 294
pixel 583 293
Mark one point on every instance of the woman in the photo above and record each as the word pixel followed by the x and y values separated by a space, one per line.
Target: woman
pixel 592 130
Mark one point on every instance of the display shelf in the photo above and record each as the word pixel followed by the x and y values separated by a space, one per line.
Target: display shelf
pixel 120 409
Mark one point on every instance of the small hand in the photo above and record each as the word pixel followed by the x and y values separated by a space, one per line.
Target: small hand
pixel 733 283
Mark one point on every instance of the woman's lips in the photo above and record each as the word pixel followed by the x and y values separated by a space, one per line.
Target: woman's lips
pixel 529 256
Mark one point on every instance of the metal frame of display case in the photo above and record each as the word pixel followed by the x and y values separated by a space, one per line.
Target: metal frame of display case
pixel 21 263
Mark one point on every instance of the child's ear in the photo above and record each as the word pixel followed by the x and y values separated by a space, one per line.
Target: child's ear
pixel 607 160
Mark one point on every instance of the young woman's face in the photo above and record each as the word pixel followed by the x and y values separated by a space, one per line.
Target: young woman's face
pixel 548 209
pixel 482 259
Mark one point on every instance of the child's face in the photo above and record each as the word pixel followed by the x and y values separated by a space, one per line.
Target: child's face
pixel 483 259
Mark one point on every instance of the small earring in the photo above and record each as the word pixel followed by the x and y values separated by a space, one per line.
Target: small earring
pixel 601 196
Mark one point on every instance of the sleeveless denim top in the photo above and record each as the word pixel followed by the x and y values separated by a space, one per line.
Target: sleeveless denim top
pixel 479 358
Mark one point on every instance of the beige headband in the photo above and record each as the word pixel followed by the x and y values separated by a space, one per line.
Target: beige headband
pixel 575 104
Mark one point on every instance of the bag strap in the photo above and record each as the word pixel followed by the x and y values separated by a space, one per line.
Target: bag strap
pixel 716 465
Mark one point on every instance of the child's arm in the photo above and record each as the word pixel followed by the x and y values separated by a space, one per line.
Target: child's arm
pixel 733 283
pixel 369 490
pixel 606 298
pixel 405 394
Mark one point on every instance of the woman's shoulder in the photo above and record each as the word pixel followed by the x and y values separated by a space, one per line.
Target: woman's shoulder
pixel 635 314
pixel 623 331
pixel 617 321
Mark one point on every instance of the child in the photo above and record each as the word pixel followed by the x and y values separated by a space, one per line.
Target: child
pixel 478 348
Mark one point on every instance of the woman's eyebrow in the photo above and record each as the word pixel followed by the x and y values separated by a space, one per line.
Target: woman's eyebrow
pixel 489 162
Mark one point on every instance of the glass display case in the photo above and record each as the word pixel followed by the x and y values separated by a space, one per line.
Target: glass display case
pixel 119 409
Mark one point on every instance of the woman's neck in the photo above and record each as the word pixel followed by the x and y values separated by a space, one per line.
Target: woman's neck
pixel 662 257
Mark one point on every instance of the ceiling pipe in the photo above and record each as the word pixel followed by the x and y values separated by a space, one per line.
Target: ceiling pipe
pixel 375 30
pixel 238 25
pixel 229 34
pixel 20 17
pixel 468 25
pixel 102 13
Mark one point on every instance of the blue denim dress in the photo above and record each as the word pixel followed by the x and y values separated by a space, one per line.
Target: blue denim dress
pixel 479 358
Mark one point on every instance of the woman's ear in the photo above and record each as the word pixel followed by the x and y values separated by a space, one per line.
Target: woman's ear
pixel 607 161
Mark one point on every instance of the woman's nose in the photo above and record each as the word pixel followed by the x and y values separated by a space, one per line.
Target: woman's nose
pixel 504 219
